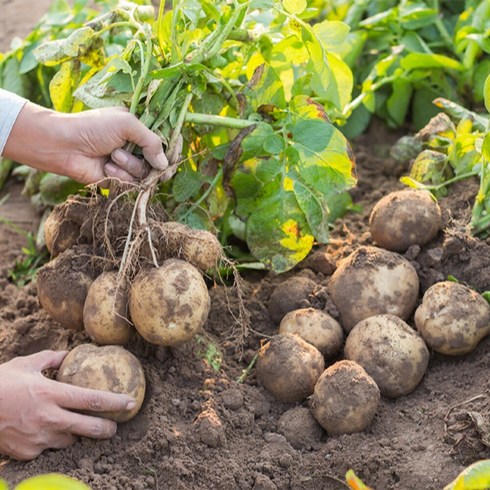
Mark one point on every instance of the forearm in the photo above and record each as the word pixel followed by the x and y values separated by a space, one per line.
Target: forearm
pixel 37 139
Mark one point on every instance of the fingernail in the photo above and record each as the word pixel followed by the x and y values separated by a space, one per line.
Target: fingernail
pixel 119 156
pixel 110 169
pixel 130 405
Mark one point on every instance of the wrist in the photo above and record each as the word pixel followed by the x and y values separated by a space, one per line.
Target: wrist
pixel 39 138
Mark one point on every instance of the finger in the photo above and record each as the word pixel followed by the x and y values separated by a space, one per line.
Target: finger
pixel 88 426
pixel 61 440
pixel 136 132
pixel 46 359
pixel 77 398
pixel 128 162
pixel 112 170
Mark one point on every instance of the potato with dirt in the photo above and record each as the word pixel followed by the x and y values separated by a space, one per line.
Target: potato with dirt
pixel 405 218
pixel 316 327
pixel 290 295
pixel 452 318
pixel 105 313
pixel 63 284
pixel 390 351
pixel 169 304
pixel 60 234
pixel 288 367
pixel 345 398
pixel 373 281
pixel 107 368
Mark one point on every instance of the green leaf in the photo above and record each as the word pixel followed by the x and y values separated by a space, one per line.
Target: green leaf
pixel 186 183
pixel 294 7
pixel 416 15
pixel 424 60
pixel 56 188
pixel 475 477
pixel 51 481
pixel 331 33
pixel 399 101
pixel 486 93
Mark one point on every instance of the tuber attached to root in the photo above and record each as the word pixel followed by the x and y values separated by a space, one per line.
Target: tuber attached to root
pixel 106 310
pixel 168 305
pixel 107 368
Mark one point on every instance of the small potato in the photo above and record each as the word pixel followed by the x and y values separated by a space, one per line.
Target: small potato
pixel 390 351
pixel 60 233
pixel 105 311
pixel 405 218
pixel 345 399
pixel 316 327
pixel 372 281
pixel 170 304
pixel 288 367
pixel 289 295
pixel 107 368
pixel 63 284
pixel 452 318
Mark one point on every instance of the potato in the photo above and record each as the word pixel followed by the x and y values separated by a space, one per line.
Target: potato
pixel 390 351
pixel 289 295
pixel 452 318
pixel 60 234
pixel 105 311
pixel 405 218
pixel 107 368
pixel 288 367
pixel 345 398
pixel 170 304
pixel 316 327
pixel 63 284
pixel 372 281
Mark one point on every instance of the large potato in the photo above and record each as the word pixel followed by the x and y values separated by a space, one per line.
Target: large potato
pixel 390 351
pixel 316 327
pixel 345 399
pixel 63 284
pixel 105 311
pixel 372 281
pixel 405 218
pixel 170 304
pixel 107 368
pixel 288 367
pixel 452 318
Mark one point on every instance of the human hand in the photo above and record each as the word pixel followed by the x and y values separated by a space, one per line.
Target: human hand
pixel 85 146
pixel 35 411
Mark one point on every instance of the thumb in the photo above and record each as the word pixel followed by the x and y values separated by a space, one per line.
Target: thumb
pixel 46 359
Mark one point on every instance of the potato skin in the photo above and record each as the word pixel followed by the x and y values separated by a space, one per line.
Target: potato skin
pixel 288 367
pixel 405 218
pixel 60 234
pixel 372 281
pixel 107 368
pixel 452 318
pixel 390 351
pixel 63 284
pixel 316 327
pixel 105 311
pixel 345 399
pixel 170 304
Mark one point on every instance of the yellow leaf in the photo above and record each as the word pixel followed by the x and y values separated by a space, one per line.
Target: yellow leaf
pixel 52 481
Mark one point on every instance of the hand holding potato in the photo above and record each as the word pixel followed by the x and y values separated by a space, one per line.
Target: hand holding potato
pixel 35 412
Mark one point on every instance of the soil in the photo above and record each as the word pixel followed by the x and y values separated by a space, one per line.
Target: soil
pixel 201 429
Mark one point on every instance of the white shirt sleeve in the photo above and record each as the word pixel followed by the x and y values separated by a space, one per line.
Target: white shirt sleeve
pixel 10 107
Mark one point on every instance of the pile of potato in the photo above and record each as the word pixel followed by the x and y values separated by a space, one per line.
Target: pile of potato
pixel 82 290
pixel 376 292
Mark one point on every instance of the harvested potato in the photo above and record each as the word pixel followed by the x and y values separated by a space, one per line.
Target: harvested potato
pixel 107 368
pixel 405 218
pixel 345 399
pixel 372 281
pixel 63 284
pixel 452 318
pixel 105 311
pixel 289 295
pixel 168 305
pixel 390 351
pixel 288 367
pixel 316 327
pixel 60 234
pixel 300 428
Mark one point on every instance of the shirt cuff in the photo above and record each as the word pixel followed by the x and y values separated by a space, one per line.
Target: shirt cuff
pixel 10 107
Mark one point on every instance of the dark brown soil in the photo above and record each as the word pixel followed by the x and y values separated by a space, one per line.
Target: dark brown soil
pixel 200 429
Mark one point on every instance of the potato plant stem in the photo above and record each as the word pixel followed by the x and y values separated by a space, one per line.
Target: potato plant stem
pixel 248 369
pixel 227 122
